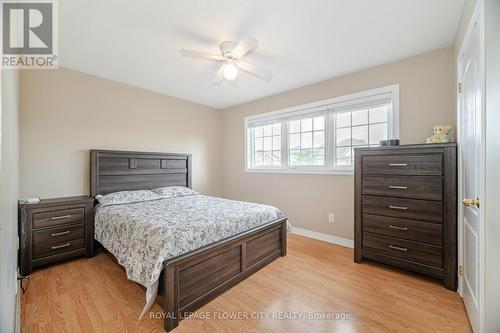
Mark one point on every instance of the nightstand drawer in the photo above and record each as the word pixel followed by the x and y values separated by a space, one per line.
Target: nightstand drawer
pixel 58 235
pixel 414 251
pixel 50 248
pixel 423 210
pixel 58 217
pixel 429 188
pixel 418 231
pixel 404 164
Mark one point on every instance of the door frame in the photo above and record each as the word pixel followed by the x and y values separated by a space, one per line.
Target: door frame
pixel 477 17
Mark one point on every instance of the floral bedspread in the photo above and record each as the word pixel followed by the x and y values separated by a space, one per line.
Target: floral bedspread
pixel 143 235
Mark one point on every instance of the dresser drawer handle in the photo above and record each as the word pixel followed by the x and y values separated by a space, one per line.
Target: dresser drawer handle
pixel 398 164
pixel 60 217
pixel 60 246
pixel 60 233
pixel 395 187
pixel 398 228
pixel 398 207
pixel 404 249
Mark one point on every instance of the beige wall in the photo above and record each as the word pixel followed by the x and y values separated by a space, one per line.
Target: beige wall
pixel 426 98
pixel 65 113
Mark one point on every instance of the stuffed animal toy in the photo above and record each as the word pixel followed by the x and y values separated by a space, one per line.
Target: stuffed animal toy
pixel 441 134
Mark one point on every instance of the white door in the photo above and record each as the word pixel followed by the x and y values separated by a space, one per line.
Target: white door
pixel 470 145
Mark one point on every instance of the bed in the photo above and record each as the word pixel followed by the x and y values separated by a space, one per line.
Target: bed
pixel 208 244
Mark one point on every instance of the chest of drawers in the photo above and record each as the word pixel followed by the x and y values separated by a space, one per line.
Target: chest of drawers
pixel 406 208
pixel 55 229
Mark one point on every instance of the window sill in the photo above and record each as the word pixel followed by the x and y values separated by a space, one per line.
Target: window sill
pixel 340 172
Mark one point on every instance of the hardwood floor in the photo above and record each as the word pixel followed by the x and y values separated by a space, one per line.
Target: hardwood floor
pixel 315 278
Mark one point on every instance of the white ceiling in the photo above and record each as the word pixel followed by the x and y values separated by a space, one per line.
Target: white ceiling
pixel 302 41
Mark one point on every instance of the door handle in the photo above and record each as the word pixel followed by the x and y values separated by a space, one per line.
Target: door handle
pixel 471 202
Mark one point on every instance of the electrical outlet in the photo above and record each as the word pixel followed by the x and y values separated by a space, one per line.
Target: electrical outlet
pixel 331 217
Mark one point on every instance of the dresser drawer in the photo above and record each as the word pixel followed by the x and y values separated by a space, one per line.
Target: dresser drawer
pixel 58 216
pixel 429 188
pixel 422 210
pixel 50 248
pixel 414 251
pixel 404 164
pixel 418 231
pixel 59 235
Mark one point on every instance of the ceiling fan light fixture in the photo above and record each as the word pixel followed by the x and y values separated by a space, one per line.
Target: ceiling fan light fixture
pixel 230 57
pixel 230 71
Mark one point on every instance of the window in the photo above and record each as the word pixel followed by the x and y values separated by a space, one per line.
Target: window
pixel 267 145
pixel 307 141
pixel 321 137
pixel 359 128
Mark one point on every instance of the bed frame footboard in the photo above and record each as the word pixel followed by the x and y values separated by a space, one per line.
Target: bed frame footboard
pixel 194 279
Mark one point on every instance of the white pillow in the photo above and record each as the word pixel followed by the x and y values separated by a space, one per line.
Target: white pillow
pixel 124 197
pixel 173 191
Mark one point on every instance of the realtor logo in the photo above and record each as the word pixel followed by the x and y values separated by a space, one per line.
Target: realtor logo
pixel 29 34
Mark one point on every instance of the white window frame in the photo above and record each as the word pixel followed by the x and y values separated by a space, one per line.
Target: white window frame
pixel 310 109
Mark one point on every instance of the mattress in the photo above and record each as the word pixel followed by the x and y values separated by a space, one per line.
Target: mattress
pixel 142 235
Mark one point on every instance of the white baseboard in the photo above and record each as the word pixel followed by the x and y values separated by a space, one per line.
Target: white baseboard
pixel 324 237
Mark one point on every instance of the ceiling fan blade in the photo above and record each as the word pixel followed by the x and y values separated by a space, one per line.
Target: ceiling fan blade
pixel 219 77
pixel 255 70
pixel 246 45
pixel 203 55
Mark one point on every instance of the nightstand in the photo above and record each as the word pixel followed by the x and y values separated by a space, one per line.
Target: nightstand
pixel 55 229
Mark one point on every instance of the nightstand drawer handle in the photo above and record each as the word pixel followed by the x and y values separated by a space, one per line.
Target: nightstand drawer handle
pixel 60 217
pixel 60 233
pixel 398 228
pixel 60 246
pixel 398 207
pixel 398 164
pixel 395 187
pixel 404 249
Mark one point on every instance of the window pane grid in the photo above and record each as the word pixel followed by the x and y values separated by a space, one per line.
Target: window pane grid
pixel 267 146
pixel 356 129
pixel 307 142
pixel 308 139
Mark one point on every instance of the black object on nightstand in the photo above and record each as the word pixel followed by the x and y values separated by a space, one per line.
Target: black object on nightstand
pixel 55 229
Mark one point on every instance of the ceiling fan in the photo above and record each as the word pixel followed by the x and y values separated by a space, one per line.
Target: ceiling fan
pixel 231 54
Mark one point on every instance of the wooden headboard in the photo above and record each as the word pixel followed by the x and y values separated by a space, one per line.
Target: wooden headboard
pixel 113 171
